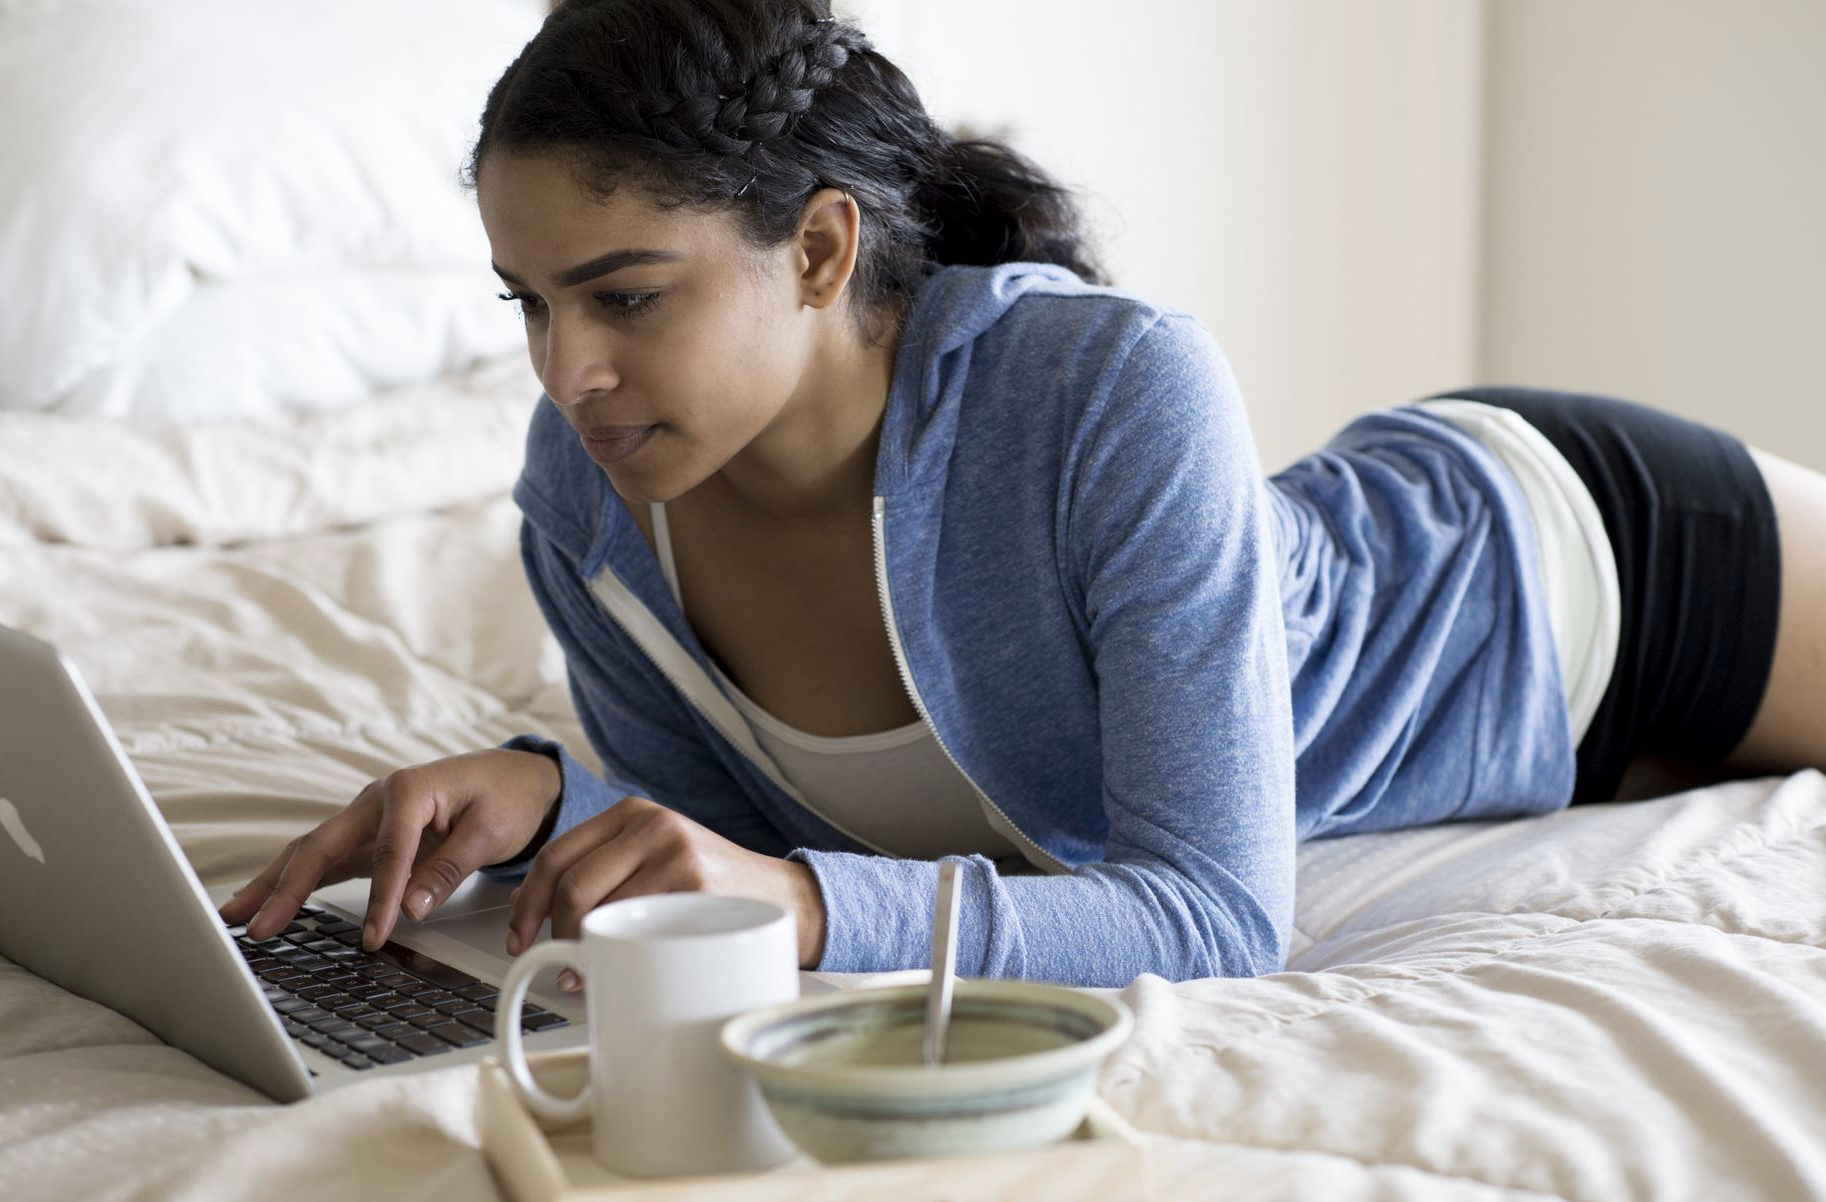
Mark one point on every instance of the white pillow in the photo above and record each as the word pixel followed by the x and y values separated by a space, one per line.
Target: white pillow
pixel 286 342
pixel 237 208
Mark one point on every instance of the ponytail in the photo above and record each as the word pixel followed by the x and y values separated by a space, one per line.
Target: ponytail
pixel 986 203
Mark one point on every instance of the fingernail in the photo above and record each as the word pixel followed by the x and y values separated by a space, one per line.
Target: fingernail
pixel 420 904
pixel 370 934
pixel 513 943
pixel 567 981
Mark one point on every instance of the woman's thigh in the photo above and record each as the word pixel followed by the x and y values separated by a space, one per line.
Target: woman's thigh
pixel 1789 730
pixel 1651 774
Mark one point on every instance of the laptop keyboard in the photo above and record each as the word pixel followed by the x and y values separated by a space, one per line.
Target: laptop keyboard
pixel 367 1008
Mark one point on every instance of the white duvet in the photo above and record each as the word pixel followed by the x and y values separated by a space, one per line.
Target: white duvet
pixel 1615 1002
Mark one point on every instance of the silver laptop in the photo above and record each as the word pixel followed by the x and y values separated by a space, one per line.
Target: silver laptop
pixel 96 896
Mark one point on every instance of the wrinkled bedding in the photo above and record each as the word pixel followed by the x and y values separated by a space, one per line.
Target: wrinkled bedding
pixel 1623 1001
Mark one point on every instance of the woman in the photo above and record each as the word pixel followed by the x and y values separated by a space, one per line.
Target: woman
pixel 875 528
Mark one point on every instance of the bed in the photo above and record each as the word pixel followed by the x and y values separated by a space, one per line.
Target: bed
pixel 282 582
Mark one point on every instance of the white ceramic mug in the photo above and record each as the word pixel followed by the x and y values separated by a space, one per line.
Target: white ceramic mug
pixel 661 975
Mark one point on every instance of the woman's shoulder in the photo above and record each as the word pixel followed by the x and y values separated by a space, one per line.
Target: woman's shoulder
pixel 959 303
pixel 1027 325
pixel 1035 358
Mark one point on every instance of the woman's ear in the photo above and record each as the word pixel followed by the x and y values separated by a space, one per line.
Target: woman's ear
pixel 830 231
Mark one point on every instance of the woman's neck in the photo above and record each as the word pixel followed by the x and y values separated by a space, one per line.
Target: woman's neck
pixel 815 464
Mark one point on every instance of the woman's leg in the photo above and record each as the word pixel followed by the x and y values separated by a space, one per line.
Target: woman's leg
pixel 1650 774
pixel 1789 730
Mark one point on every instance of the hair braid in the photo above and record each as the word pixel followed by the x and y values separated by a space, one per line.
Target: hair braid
pixel 734 114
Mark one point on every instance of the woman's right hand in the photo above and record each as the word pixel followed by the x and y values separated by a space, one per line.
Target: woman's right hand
pixel 418 832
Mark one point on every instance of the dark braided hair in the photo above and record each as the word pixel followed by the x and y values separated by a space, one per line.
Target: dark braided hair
pixel 750 107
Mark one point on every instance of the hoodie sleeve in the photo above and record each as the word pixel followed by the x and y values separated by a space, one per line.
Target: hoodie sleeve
pixel 634 721
pixel 1171 548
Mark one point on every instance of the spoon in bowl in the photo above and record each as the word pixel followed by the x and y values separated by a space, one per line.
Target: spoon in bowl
pixel 944 965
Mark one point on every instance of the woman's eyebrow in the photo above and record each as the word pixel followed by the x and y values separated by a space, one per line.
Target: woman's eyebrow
pixel 601 265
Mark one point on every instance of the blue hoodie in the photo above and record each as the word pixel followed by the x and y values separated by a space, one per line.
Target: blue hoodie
pixel 1159 669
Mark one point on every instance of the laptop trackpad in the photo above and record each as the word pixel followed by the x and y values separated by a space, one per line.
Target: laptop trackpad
pixel 475 915
pixel 475 895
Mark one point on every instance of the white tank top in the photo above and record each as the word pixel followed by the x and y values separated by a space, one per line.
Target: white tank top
pixel 897 789
pixel 1578 567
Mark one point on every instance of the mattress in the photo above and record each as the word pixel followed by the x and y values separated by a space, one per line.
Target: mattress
pixel 1623 1001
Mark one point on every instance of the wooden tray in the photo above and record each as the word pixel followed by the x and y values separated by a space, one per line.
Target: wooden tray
pixel 1103 1161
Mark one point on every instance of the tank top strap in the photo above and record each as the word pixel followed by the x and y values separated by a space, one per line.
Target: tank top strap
pixel 662 543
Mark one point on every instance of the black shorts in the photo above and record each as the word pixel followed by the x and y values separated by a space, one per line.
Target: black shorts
pixel 1698 565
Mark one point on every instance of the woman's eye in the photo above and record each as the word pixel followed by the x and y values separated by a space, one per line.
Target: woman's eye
pixel 627 304
pixel 529 304
pixel 619 305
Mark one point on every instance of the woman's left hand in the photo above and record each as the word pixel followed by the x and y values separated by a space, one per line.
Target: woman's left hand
pixel 637 847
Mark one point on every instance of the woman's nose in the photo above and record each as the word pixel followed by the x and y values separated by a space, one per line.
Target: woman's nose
pixel 576 365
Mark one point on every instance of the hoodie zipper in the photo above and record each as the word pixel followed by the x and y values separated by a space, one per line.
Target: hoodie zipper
pixel 1036 854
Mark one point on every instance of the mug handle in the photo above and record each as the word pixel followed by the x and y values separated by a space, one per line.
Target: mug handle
pixel 507 1031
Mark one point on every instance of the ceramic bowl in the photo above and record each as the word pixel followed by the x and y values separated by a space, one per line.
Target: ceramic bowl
pixel 842 1073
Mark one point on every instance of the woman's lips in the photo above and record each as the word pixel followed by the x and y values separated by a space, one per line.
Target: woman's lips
pixel 612 444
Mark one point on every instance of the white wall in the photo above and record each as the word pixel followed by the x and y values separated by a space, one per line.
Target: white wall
pixel 1656 208
pixel 1300 174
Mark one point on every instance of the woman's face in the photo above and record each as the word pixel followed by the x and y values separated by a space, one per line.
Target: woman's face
pixel 662 329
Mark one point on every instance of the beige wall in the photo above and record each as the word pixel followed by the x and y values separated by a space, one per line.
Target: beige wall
pixel 1300 174
pixel 1655 221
